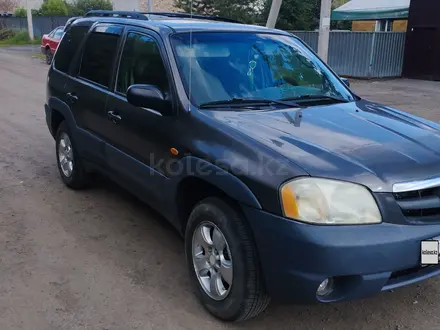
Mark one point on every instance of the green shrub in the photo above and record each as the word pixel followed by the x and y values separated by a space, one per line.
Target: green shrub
pixel 20 12
pixel 54 8
pixel 80 7
pixel 20 37
pixel 6 34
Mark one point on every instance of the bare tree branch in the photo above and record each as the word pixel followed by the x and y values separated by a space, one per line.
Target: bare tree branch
pixel 8 5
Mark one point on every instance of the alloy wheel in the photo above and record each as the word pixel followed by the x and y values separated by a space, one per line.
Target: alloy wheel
pixel 212 260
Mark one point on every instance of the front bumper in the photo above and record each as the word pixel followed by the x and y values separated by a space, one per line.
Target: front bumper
pixel 364 260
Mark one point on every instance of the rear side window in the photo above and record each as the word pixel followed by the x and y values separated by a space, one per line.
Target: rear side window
pixel 68 47
pixel 99 54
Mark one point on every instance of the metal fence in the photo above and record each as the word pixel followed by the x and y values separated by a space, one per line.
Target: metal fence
pixel 362 54
pixel 42 24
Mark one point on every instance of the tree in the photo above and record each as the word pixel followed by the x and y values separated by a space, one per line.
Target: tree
pixel 340 25
pixel 20 12
pixel 81 7
pixel 296 14
pixel 54 8
pixel 8 5
pixel 242 10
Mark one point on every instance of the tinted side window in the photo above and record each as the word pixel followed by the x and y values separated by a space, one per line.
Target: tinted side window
pixel 99 53
pixel 68 47
pixel 141 63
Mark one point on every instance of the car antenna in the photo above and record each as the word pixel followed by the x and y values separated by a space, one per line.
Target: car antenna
pixel 190 58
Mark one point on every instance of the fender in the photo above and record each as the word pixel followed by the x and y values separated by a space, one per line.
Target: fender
pixel 231 185
pixel 56 104
pixel 88 145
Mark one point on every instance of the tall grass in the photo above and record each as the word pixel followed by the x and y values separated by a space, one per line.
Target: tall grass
pixel 20 38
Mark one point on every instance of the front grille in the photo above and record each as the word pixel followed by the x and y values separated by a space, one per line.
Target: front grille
pixel 421 204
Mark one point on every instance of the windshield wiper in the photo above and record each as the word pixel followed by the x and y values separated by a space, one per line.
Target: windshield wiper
pixel 247 102
pixel 316 97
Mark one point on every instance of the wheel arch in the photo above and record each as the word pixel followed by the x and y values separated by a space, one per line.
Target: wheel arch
pixel 57 112
pixel 214 181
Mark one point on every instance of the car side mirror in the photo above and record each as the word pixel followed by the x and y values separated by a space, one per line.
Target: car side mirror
pixel 346 82
pixel 150 97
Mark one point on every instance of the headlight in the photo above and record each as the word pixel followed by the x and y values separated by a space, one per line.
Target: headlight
pixel 329 202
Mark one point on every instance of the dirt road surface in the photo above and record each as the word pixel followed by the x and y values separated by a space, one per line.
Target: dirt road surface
pixel 99 259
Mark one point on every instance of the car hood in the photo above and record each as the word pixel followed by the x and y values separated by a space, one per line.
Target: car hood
pixel 361 141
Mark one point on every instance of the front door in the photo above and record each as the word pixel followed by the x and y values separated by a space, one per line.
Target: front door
pixel 140 139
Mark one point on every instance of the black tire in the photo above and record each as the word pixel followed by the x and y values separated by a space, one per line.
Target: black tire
pixel 247 296
pixel 79 178
pixel 49 57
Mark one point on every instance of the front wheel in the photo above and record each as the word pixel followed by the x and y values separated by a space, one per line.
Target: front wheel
pixel 223 262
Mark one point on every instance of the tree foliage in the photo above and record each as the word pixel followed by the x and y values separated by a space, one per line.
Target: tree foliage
pixel 242 10
pixel 54 8
pixel 296 14
pixel 20 12
pixel 77 8
pixel 80 7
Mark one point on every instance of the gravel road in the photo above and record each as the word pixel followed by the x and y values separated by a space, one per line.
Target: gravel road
pixel 99 259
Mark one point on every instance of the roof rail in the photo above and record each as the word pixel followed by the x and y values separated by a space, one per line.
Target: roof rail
pixel 187 15
pixel 112 13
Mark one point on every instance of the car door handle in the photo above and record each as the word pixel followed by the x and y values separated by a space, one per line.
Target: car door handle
pixel 72 97
pixel 114 117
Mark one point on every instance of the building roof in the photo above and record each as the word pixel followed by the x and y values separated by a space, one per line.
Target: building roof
pixel 372 10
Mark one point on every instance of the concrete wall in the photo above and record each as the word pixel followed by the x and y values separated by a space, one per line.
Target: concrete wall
pixel 126 5
pixel 34 4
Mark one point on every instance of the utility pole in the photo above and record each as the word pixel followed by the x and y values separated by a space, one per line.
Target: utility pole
pixel 274 12
pixel 324 29
pixel 29 21
pixel 150 6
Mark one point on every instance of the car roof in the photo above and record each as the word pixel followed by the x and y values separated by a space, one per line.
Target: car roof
pixel 161 23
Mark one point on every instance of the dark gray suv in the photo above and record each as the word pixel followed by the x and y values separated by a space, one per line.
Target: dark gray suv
pixel 283 182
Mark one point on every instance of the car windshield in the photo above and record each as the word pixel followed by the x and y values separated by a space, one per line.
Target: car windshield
pixel 224 66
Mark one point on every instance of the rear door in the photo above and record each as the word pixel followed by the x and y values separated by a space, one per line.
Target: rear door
pixel 88 88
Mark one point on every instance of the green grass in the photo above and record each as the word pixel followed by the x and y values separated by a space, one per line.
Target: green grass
pixel 20 38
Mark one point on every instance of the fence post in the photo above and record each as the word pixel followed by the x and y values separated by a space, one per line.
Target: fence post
pixel 29 21
pixel 373 46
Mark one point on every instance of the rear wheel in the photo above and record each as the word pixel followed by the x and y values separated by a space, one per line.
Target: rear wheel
pixel 223 262
pixel 49 56
pixel 69 163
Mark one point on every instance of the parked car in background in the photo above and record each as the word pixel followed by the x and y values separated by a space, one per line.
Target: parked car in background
pixel 50 42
